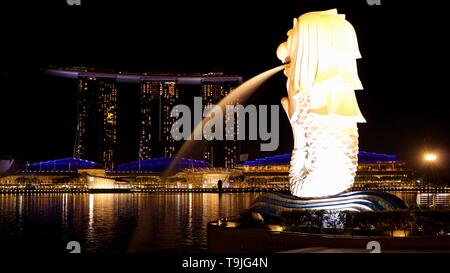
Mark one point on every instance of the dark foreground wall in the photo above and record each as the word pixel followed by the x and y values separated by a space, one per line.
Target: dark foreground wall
pixel 242 240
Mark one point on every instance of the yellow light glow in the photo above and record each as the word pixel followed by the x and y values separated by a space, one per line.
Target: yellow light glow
pixel 231 224
pixel 278 228
pixel 400 233
pixel 430 157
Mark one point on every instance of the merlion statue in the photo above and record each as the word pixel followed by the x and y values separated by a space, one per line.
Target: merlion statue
pixel 321 52
pixel 319 59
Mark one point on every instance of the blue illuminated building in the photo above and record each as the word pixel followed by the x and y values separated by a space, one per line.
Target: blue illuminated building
pixel 158 165
pixel 61 165
pixel 154 165
pixel 285 159
pixel 365 157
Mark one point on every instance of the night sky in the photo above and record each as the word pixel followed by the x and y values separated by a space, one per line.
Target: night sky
pixel 403 69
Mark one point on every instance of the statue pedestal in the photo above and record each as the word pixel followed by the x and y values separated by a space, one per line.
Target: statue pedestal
pixel 273 204
pixel 280 222
pixel 273 207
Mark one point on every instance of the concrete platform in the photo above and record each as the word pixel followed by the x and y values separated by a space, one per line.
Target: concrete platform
pixel 254 240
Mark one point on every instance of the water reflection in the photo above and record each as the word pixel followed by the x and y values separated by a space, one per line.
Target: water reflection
pixel 181 220
pixel 64 209
pixel 113 222
pixel 125 222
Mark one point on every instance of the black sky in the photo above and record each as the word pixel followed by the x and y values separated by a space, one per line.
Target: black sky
pixel 404 66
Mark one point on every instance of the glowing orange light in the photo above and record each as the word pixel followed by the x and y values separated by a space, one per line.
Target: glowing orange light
pixel 430 157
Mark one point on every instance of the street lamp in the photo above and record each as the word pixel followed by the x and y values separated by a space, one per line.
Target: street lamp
pixel 429 159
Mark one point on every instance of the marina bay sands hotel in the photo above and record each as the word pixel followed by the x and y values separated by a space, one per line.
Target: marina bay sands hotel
pixel 97 100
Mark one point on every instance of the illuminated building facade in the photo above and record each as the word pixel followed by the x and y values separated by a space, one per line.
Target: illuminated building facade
pixel 157 99
pixel 148 92
pixel 168 97
pixel 375 171
pixel 96 137
pixel 221 153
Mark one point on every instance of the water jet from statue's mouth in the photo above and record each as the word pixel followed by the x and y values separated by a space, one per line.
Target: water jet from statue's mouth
pixel 242 92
